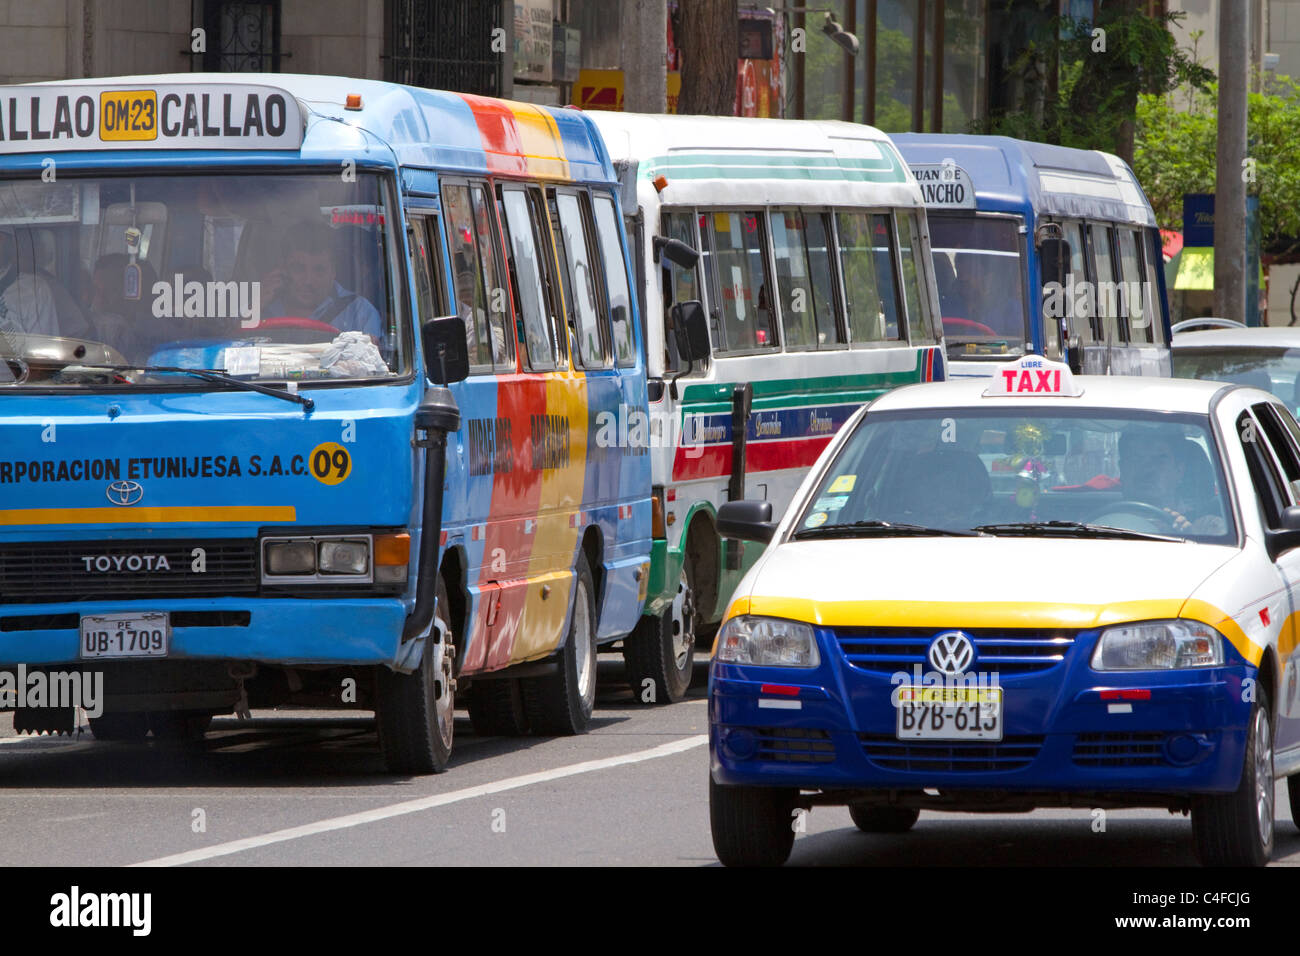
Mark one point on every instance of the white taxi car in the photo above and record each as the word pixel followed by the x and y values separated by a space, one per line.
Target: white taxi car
pixel 1039 591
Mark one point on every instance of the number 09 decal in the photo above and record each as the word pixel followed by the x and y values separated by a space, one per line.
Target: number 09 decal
pixel 329 463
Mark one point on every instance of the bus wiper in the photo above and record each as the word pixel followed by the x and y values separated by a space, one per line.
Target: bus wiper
pixel 211 376
pixel 1072 528
pixel 867 529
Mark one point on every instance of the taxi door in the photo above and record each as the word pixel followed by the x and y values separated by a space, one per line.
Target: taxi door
pixel 1277 448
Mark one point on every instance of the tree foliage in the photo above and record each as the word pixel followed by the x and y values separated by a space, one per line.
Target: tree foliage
pixel 1175 154
pixel 1101 68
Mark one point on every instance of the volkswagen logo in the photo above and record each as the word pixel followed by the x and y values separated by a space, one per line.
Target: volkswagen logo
pixel 124 492
pixel 951 652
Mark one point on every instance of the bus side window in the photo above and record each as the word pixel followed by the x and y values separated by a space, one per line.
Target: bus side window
pixel 549 259
pixel 608 236
pixel 1152 302
pixel 920 323
pixel 1082 322
pixel 740 263
pixel 500 318
pixel 525 275
pixel 679 284
pixel 1104 261
pixel 471 295
pixel 858 266
pixel 430 233
pixel 803 279
pixel 421 270
pixel 584 281
pixel 1132 307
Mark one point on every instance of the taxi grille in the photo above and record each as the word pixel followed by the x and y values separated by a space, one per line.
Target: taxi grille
pixel 1010 651
pixel 1119 750
pixel 125 570
pixel 950 756
pixel 794 745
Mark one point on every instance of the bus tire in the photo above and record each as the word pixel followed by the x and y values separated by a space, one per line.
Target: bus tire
pixel 562 703
pixel 496 708
pixel 416 712
pixel 752 826
pixel 662 649
pixel 870 819
pixel 130 725
pixel 1236 829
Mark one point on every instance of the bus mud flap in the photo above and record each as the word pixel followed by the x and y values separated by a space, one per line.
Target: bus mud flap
pixel 742 399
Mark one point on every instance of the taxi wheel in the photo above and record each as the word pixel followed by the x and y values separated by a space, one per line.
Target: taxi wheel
pixel 496 708
pixel 416 712
pixel 752 826
pixel 122 726
pixel 662 649
pixel 883 819
pixel 1236 829
pixel 1293 797
pixel 561 704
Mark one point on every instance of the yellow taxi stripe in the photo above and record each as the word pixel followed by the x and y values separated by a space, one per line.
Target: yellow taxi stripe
pixel 169 515
pixel 955 614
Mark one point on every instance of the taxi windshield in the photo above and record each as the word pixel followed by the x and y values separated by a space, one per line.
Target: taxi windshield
pixel 1004 471
pixel 978 268
pixel 263 277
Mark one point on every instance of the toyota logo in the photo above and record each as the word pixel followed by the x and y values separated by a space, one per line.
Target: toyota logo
pixel 951 652
pixel 124 493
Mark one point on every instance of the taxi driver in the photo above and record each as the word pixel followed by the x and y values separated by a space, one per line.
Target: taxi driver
pixel 1153 472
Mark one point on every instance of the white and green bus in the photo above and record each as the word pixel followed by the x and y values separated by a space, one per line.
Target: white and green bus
pixel 806 244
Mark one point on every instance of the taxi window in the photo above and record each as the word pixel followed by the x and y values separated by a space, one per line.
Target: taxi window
pixel 1280 443
pixel 956 469
pixel 1263 469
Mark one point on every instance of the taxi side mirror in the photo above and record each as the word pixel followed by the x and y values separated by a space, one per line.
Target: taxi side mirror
pixel 446 353
pixel 749 520
pixel 1284 537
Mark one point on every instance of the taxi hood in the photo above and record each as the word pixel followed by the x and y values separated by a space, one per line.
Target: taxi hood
pixel 991 582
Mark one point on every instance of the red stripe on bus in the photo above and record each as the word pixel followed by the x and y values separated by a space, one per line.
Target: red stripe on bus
pixel 715 462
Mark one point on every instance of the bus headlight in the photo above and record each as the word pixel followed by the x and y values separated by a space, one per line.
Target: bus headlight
pixel 291 557
pixel 344 557
pixel 768 641
pixel 330 559
pixel 1158 645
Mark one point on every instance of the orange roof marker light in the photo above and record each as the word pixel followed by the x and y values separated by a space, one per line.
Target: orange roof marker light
pixel 353 102
pixel 660 183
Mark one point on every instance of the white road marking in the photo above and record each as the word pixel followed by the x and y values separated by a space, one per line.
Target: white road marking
pixel 424 803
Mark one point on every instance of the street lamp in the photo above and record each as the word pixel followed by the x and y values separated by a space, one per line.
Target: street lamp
pixel 840 35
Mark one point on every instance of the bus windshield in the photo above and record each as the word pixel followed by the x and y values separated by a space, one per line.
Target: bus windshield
pixel 1275 370
pixel 264 277
pixel 979 270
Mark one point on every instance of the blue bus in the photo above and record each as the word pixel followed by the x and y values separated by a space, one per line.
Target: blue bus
pixel 238 322
pixel 1044 249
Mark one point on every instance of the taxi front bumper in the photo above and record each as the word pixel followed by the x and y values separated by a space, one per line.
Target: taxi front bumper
pixel 1065 729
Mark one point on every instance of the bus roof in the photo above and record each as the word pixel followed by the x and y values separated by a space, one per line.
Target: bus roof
pixel 423 128
pixel 730 160
pixel 1012 175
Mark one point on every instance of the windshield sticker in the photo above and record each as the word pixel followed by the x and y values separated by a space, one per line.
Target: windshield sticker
pixel 831 503
pixel 843 484
pixel 816 520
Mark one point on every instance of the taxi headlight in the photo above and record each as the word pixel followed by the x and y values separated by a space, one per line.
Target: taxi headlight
pixel 768 641
pixel 1158 645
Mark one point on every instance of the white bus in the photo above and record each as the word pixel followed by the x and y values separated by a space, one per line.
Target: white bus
pixel 814 271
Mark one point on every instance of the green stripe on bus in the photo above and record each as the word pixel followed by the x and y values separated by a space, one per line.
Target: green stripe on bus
pixel 740 166
pixel 799 392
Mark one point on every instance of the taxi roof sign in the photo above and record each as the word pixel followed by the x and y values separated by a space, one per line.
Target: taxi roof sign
pixel 1033 375
pixel 41 119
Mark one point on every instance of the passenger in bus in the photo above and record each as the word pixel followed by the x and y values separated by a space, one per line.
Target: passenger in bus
pixel 27 300
pixel 1158 468
pixel 114 319
pixel 305 285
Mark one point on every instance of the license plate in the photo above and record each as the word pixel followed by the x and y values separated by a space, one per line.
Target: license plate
pixel 139 634
pixel 128 115
pixel 950 713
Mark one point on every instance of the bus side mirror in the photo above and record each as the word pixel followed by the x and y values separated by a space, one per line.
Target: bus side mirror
pixel 1053 260
pixel 691 328
pixel 446 354
pixel 676 252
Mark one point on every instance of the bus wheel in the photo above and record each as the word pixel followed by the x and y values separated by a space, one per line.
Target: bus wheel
pixel 496 708
pixel 752 826
pixel 883 819
pixel 416 712
pixel 662 649
pixel 1236 829
pixel 133 725
pixel 562 703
